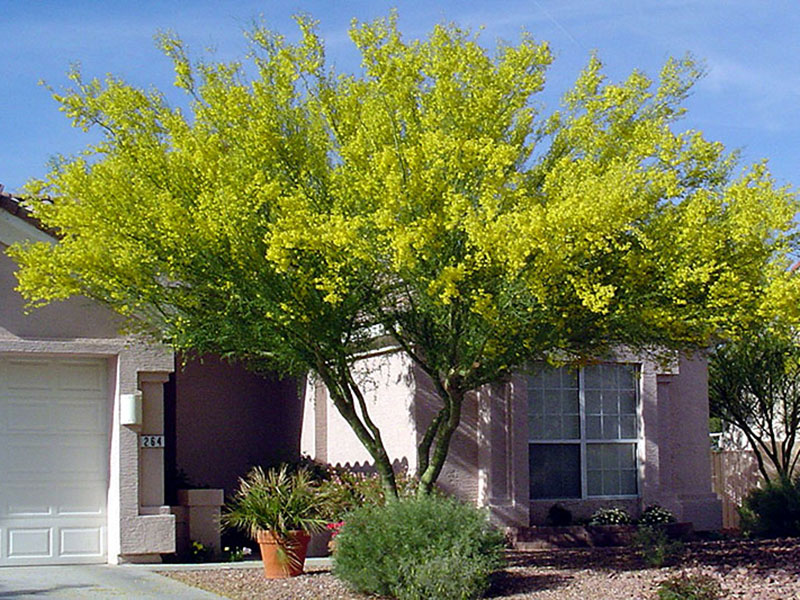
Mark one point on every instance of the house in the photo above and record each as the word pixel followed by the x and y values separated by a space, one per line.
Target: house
pixel 98 430
pixel 626 432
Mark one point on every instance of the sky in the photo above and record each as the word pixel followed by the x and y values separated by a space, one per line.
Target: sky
pixel 749 98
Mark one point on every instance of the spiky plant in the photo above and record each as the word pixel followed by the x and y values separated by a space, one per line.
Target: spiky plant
pixel 277 501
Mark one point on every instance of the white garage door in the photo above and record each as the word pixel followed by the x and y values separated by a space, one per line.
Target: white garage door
pixel 53 460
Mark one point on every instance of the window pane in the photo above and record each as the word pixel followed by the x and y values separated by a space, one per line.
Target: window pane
pixel 571 427
pixel 609 377
pixel 552 403
pixel 611 469
pixel 594 483
pixel 592 400
pixel 593 428
pixel 552 428
pixel 626 377
pixel 627 427
pixel 610 483
pixel 610 403
pixel 627 402
pixel 555 470
pixel 592 377
pixel 569 378
pixel 628 485
pixel 570 402
pixel 610 428
pixel 609 457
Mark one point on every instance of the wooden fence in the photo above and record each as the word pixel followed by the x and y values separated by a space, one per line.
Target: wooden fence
pixel 734 473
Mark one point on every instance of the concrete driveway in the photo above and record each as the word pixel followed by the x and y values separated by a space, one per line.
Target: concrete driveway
pixel 94 581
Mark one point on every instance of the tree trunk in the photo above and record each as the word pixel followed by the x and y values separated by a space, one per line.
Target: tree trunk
pixel 447 425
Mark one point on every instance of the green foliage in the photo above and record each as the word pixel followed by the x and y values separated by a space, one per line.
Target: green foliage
pixel 418 548
pixel 610 516
pixel 275 501
pixel 344 491
pixel 235 553
pixel 772 511
pixel 655 545
pixel 655 515
pixel 291 214
pixel 689 587
pixel 200 553
pixel 754 386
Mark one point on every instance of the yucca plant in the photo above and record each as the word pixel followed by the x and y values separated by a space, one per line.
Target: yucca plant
pixel 277 503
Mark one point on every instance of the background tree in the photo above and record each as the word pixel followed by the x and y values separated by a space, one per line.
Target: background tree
pixel 754 387
pixel 298 215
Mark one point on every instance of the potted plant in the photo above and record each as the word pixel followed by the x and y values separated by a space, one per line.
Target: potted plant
pixel 279 510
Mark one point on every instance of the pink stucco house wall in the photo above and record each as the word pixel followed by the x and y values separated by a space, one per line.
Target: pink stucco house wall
pixel 626 432
pixel 86 475
pixel 82 481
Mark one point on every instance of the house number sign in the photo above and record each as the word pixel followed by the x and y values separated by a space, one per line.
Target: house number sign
pixel 151 441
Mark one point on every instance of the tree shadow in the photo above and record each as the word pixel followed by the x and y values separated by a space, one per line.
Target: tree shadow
pixel 508 583
pixel 757 556
pixel 604 559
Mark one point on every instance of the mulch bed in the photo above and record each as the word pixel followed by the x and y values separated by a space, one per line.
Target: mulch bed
pixel 753 570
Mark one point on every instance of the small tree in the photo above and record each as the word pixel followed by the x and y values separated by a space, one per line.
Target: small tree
pixel 297 215
pixel 754 386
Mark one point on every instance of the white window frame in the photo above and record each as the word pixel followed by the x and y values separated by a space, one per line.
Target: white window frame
pixel 583 442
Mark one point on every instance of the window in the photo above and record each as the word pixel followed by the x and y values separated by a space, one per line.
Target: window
pixel 583 430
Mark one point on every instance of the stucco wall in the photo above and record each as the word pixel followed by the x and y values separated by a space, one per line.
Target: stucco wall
pixel 228 419
pixel 488 459
pixel 388 384
pixel 139 526
pixel 73 318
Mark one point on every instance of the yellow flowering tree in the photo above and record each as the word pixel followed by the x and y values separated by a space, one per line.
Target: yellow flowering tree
pixel 295 216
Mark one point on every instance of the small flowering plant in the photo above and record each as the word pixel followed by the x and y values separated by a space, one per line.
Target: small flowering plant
pixel 235 553
pixel 611 516
pixel 334 528
pixel 655 515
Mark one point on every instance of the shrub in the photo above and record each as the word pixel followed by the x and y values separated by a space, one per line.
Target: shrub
pixel 558 516
pixel 656 515
pixel 689 587
pixel 418 548
pixel 610 516
pixel 345 491
pixel 655 546
pixel 772 511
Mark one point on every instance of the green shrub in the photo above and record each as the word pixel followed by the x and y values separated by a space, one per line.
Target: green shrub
pixel 689 587
pixel 418 548
pixel 772 511
pixel 655 546
pixel 610 516
pixel 559 516
pixel 656 515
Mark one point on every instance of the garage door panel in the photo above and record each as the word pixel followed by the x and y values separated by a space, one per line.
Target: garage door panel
pixel 28 375
pixel 27 416
pixel 79 376
pixel 82 541
pixel 30 542
pixel 53 460
pixel 79 458
pixel 81 501
pixel 79 417
pixel 25 460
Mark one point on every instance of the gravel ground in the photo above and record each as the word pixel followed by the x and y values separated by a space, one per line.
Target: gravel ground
pixel 752 570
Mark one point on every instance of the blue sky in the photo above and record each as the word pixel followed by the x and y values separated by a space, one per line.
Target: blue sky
pixel 750 98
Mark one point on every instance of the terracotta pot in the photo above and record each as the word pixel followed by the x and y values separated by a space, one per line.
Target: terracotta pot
pixel 283 558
